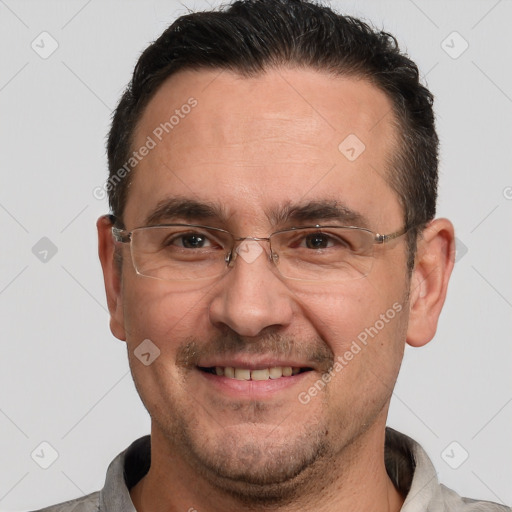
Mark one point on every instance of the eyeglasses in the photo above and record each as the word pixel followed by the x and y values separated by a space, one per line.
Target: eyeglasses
pixel 186 252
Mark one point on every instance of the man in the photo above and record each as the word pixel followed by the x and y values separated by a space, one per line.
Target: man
pixel 271 249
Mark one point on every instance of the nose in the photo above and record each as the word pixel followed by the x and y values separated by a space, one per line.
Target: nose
pixel 251 297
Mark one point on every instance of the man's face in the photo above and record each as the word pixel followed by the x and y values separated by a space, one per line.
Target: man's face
pixel 252 148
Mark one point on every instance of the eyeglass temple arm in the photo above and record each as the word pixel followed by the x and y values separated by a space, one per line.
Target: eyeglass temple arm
pixel 119 234
pixel 382 239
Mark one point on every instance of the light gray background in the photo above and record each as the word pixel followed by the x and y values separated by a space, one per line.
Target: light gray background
pixel 63 377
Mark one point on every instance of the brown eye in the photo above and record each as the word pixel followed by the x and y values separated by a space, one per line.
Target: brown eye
pixel 322 240
pixel 192 240
pixel 317 241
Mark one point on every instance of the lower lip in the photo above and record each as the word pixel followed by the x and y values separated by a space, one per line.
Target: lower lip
pixel 252 389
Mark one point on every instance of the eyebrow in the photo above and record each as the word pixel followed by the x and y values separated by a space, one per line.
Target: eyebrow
pixel 184 209
pixel 311 212
pixel 318 212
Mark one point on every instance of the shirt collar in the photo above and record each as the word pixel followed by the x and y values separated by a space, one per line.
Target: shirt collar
pixel 122 474
pixel 407 464
pixel 412 472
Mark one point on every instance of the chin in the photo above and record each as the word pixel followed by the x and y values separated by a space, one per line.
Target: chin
pixel 260 472
pixel 263 464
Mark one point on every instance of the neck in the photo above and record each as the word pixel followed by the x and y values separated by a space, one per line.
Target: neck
pixel 355 479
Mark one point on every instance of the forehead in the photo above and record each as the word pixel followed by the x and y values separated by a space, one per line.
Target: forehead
pixel 255 144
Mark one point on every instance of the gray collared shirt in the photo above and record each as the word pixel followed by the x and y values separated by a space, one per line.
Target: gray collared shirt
pixel 407 464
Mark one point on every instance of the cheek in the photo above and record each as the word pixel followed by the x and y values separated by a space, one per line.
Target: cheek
pixel 340 313
pixel 157 322
pixel 153 311
pixel 364 325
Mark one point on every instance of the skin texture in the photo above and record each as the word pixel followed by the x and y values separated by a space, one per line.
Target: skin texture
pixel 252 146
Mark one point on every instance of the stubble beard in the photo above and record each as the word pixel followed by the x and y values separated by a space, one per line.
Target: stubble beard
pixel 296 456
pixel 263 457
pixel 253 470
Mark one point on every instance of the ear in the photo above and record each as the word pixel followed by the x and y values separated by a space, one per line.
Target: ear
pixel 106 248
pixel 429 281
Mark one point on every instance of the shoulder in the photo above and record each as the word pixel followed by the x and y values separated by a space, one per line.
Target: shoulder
pixel 453 501
pixel 414 475
pixel 89 503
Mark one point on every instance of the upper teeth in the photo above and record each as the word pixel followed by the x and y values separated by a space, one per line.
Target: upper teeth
pixel 246 374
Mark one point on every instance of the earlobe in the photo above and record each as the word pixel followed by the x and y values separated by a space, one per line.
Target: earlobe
pixel 111 276
pixel 429 281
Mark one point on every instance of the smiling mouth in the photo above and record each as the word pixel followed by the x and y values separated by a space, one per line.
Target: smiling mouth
pixel 275 372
